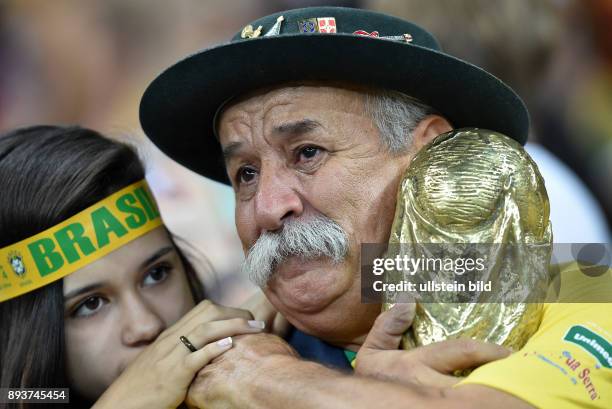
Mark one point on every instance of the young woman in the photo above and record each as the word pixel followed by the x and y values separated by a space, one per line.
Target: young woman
pixel 93 291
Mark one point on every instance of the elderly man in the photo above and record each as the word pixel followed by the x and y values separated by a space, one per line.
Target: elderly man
pixel 312 115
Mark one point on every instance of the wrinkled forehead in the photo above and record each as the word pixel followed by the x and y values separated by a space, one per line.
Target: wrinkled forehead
pixel 302 95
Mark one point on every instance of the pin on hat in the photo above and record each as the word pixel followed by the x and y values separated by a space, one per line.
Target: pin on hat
pixel 275 30
pixel 310 25
pixel 248 32
pixel 179 108
pixel 326 24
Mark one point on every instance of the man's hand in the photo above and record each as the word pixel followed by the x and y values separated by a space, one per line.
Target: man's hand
pixel 431 365
pixel 263 372
pixel 219 385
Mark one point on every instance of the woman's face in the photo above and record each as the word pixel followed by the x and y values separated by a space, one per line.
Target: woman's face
pixel 118 305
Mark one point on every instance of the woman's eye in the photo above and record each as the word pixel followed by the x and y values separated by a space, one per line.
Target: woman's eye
pixel 156 275
pixel 89 306
pixel 246 175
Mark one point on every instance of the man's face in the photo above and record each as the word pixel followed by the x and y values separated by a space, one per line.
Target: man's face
pixel 298 153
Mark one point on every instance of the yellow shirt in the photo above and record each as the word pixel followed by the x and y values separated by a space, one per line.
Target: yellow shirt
pixel 567 363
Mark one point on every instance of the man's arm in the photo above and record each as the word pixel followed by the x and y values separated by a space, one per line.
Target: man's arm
pixel 282 381
pixel 290 382
pixel 263 372
pixel 320 387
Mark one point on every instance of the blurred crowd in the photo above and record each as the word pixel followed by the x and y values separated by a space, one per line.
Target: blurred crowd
pixel 88 63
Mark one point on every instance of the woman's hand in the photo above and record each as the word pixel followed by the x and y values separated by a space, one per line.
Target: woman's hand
pixel 264 311
pixel 160 376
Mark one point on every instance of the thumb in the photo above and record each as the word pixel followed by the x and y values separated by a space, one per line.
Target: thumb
pixel 387 331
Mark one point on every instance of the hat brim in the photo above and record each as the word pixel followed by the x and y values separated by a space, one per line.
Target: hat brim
pixel 178 108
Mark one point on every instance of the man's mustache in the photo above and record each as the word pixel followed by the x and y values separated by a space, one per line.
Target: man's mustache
pixel 310 238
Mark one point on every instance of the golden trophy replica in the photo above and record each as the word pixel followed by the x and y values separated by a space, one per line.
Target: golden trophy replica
pixel 474 191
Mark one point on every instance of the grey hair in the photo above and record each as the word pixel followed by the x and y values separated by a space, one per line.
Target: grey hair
pixel 308 239
pixel 396 115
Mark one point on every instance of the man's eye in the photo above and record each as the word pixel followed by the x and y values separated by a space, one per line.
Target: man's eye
pixel 89 306
pixel 156 275
pixel 308 152
pixel 246 175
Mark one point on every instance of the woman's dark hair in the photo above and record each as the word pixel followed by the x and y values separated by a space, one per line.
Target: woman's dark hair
pixel 47 175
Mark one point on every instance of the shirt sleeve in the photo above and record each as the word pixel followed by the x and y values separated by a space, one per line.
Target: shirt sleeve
pixel 565 364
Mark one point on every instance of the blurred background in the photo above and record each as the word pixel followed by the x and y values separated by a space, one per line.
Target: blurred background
pixel 88 62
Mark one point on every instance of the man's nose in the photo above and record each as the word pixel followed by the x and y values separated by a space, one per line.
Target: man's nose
pixel 276 199
pixel 141 323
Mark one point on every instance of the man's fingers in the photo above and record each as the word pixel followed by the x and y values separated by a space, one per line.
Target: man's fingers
pixel 386 333
pixel 431 378
pixel 448 356
pixel 390 366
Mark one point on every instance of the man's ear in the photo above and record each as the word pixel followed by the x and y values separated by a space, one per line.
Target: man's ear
pixel 426 130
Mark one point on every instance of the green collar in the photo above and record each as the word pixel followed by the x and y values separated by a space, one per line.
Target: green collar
pixel 350 356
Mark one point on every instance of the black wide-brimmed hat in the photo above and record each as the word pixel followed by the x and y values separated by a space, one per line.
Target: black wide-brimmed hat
pixel 178 109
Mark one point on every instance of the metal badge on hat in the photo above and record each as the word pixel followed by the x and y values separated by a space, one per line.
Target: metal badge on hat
pixel 365 33
pixel 248 32
pixel 275 30
pixel 326 24
pixel 317 25
pixel 308 26
pixel 407 38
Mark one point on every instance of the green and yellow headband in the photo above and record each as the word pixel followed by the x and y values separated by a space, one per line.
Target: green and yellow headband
pixel 78 241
